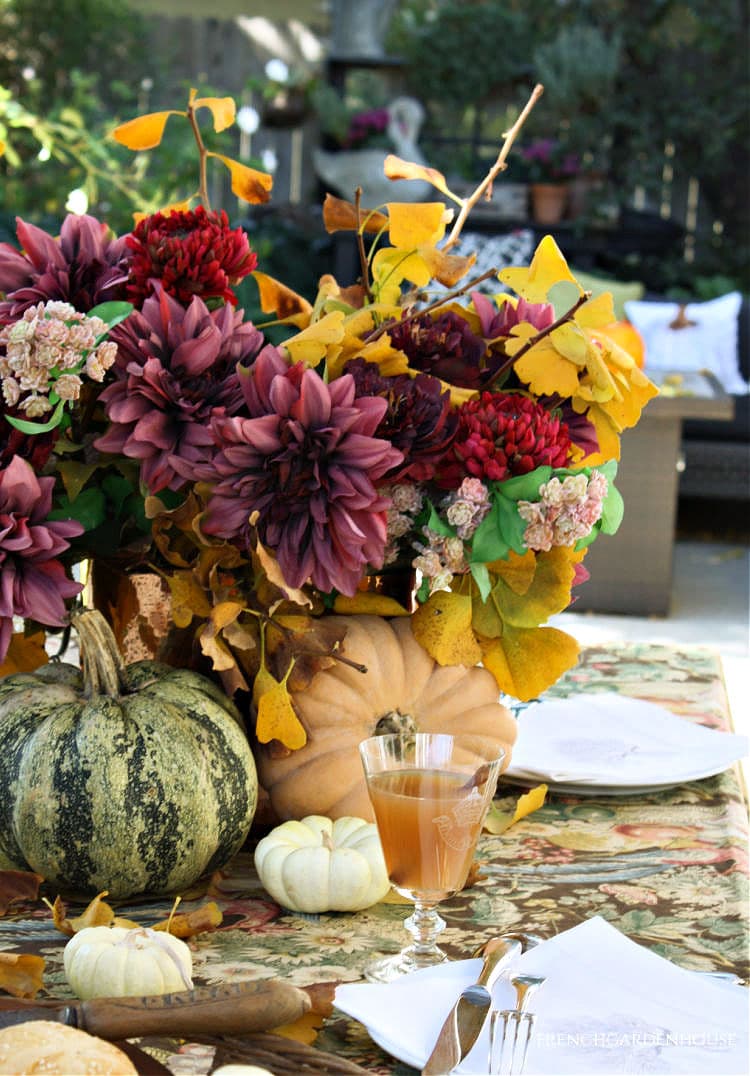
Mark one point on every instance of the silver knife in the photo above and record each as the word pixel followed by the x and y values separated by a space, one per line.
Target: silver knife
pixel 464 1022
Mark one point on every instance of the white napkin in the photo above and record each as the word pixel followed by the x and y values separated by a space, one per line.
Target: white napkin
pixel 608 1005
pixel 619 741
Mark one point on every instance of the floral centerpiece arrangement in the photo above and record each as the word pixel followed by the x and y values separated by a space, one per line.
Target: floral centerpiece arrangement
pixel 470 442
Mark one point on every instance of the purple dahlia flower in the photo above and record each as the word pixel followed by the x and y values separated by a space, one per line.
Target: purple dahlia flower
pixel 443 346
pixel 84 267
pixel 308 462
pixel 33 582
pixel 176 368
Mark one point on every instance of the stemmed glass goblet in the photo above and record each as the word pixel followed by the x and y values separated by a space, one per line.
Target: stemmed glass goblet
pixel 430 793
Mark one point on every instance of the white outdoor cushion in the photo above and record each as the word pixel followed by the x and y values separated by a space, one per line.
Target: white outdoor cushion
pixel 709 344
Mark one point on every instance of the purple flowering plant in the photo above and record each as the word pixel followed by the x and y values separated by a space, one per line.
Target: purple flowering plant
pixel 548 160
pixel 470 442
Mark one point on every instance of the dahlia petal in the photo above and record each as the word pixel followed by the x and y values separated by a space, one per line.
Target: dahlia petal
pixel 38 594
pixel 20 488
pixel 198 353
pixel 14 268
pixel 314 406
pixel 6 633
pixel 39 247
pixel 155 428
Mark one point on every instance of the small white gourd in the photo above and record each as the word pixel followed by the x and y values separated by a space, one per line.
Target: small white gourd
pixel 118 962
pixel 318 865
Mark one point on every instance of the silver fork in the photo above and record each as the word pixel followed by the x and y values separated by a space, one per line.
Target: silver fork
pixel 510 1029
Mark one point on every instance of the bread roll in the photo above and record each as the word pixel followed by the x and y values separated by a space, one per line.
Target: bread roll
pixel 44 1047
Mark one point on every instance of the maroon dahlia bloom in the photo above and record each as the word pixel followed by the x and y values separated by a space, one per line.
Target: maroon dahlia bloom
pixel 191 253
pixel 84 267
pixel 504 434
pixel 307 461
pixel 175 369
pixel 419 420
pixel 33 582
pixel 443 346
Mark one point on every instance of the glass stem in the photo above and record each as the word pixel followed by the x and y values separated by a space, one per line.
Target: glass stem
pixel 424 926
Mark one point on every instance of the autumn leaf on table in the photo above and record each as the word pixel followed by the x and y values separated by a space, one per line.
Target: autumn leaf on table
pixel 187 924
pixel 21 974
pixel 18 885
pixel 498 821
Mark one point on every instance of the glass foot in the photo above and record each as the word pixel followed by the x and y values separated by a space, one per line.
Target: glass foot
pixel 388 968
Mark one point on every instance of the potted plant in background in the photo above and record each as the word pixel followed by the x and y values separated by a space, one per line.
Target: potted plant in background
pixel 549 166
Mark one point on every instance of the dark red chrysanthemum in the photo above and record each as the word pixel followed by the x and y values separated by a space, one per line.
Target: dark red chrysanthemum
pixel 84 267
pixel 419 421
pixel 501 435
pixel 190 253
pixel 443 346
pixel 36 448
pixel 33 582
pixel 175 369
pixel 307 461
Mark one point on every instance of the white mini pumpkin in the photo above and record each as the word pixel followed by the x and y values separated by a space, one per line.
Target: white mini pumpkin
pixel 318 865
pixel 118 962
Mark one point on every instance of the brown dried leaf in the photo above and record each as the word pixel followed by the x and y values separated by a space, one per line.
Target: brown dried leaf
pixel 304 1029
pixel 18 885
pixel 341 216
pixel 271 567
pixel 475 873
pixel 321 997
pixel 188 924
pixel 25 653
pixel 276 298
pixel 96 914
pixel 21 974
pixel 188 598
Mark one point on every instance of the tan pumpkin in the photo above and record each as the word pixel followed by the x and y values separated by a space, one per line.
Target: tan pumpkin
pixel 403 688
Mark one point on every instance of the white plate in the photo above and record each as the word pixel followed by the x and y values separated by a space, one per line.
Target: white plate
pixel 586 788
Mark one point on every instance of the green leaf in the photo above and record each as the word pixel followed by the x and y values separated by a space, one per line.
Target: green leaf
pixel 482 579
pixel 525 487
pixel 112 313
pixel 89 508
pixel 38 427
pixel 117 489
pixel 512 527
pixel 613 509
pixel 438 525
pixel 488 543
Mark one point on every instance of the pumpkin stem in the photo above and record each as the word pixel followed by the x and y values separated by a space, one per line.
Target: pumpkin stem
pixel 103 666
pixel 395 721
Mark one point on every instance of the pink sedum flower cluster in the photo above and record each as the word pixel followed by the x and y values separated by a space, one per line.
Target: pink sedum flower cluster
pixel 441 559
pixel 467 506
pixel 566 512
pixel 47 350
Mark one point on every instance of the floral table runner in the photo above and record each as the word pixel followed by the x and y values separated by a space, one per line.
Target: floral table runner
pixel 669 869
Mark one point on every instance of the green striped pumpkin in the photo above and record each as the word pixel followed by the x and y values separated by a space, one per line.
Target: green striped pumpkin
pixel 134 779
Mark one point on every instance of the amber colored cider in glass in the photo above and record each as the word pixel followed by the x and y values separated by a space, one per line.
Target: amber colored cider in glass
pixel 428 821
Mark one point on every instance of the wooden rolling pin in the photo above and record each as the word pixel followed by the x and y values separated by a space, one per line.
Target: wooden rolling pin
pixel 234 1009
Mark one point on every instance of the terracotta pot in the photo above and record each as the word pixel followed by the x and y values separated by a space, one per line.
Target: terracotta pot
pixel 137 606
pixel 548 201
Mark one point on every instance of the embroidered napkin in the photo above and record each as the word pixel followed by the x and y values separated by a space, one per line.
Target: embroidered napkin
pixel 608 1005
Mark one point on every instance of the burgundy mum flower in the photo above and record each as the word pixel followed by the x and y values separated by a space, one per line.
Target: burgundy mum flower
pixel 418 421
pixel 33 582
pixel 191 253
pixel 176 368
pixel 307 461
pixel 443 346
pixel 504 434
pixel 84 267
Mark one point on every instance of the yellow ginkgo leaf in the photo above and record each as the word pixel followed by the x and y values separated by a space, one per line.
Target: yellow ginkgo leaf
pixel 442 625
pixel 546 371
pixel 498 821
pixel 247 183
pixel 447 269
pixel 276 717
pixel 396 168
pixel 526 661
pixel 391 266
pixel 276 298
pixel 548 267
pixel 416 225
pixel 222 110
pixel 144 132
pixel 597 312
pixel 312 344
pixel 367 602
pixel 189 599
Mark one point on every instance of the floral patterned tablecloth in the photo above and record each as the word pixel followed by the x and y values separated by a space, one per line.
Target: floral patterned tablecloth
pixel 669 869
